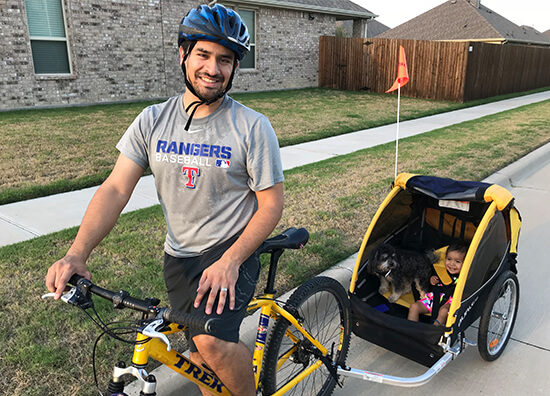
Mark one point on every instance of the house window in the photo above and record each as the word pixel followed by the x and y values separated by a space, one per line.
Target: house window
pixel 249 18
pixel 48 36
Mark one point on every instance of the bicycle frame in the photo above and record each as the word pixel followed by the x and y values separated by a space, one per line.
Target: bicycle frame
pixel 270 309
pixel 204 378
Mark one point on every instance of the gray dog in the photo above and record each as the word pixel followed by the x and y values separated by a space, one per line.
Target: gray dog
pixel 401 268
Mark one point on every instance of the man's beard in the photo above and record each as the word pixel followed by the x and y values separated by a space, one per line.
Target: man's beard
pixel 207 93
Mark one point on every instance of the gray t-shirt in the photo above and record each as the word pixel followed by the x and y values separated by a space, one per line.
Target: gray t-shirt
pixel 205 177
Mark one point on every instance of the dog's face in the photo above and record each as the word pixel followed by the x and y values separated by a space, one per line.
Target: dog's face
pixel 382 260
pixel 400 269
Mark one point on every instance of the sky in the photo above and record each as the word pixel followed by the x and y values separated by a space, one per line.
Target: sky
pixel 534 13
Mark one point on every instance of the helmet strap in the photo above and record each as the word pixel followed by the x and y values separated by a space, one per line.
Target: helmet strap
pixel 189 86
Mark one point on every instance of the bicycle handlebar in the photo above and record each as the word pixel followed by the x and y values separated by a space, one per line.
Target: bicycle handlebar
pixel 292 238
pixel 122 299
pixel 187 319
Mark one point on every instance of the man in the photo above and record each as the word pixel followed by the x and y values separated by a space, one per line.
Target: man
pixel 218 174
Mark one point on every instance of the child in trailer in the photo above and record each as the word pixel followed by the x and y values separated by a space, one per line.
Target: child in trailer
pixel 454 258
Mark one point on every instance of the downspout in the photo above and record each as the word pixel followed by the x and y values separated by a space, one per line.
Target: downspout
pixel 166 94
pixel 367 27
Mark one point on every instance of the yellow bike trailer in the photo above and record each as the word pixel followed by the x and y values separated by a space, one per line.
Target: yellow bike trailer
pixel 426 213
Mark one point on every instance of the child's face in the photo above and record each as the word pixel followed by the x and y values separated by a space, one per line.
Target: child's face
pixel 454 261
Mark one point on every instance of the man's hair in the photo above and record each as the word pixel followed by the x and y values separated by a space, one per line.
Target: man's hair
pixel 457 246
pixel 186 44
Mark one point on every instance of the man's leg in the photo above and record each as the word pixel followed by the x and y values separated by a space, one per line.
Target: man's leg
pixel 230 360
pixel 232 363
pixel 197 359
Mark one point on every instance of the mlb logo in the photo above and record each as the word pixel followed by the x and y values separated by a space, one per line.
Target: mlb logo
pixel 221 163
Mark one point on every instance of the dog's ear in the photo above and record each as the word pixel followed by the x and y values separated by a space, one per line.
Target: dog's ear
pixel 373 255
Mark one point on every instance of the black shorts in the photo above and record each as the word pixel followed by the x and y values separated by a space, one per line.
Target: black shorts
pixel 182 275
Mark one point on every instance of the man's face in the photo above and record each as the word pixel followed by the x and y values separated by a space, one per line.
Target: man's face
pixel 209 67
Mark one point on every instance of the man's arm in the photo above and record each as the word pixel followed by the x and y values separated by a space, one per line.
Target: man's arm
pixel 101 216
pixel 224 272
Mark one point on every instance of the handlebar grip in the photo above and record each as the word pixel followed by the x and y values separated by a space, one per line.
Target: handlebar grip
pixel 190 320
pixel 74 279
pixel 179 317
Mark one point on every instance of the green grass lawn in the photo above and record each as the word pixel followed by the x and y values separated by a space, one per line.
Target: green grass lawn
pixel 50 151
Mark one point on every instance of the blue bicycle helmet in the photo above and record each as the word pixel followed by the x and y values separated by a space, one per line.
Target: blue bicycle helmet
pixel 217 24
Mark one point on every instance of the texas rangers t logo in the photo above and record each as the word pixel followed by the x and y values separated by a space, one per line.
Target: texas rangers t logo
pixel 192 174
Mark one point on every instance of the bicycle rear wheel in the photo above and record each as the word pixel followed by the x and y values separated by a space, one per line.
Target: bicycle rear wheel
pixel 322 307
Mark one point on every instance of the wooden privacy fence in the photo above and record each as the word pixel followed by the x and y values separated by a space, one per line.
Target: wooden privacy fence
pixel 456 71
pixel 500 69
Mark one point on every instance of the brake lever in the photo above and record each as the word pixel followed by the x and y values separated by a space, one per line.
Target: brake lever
pixel 73 297
pixel 47 295
pixel 151 331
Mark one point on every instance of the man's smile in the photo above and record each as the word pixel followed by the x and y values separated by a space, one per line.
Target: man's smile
pixel 210 80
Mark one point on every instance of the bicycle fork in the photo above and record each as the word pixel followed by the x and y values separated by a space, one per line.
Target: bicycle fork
pixel 148 382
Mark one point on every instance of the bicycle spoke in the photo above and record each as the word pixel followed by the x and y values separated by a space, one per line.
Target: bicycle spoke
pixel 322 309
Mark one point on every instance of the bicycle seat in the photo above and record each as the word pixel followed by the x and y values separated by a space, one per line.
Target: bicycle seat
pixel 293 238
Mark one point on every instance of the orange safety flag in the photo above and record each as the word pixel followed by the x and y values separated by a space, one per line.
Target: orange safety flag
pixel 402 72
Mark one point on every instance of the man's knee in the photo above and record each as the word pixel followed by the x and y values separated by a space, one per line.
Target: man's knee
pixel 196 357
pixel 209 346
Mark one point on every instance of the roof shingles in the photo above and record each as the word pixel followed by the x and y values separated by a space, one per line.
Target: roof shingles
pixel 346 7
pixel 460 20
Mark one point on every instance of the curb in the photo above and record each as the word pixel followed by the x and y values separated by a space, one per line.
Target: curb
pixel 514 173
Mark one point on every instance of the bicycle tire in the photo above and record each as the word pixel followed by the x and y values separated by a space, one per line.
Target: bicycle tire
pixel 498 317
pixel 323 307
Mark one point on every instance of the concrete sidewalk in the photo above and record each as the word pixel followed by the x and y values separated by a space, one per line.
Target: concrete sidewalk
pixel 24 220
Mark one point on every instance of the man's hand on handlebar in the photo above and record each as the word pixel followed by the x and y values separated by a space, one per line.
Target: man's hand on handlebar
pixel 61 271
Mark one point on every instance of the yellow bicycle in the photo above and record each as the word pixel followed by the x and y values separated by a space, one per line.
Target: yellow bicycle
pixel 308 343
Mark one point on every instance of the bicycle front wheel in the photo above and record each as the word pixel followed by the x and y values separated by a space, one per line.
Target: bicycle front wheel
pixel 322 307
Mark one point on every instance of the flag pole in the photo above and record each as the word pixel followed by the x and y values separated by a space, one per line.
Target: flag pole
pixel 397 131
pixel 401 80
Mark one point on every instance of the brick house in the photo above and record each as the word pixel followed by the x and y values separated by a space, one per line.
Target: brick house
pixel 466 20
pixel 373 29
pixel 68 52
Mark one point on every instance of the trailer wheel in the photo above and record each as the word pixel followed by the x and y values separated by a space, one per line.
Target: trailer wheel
pixel 498 317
